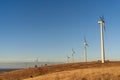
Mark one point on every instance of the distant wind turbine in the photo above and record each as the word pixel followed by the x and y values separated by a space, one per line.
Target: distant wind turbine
pixel 36 62
pixel 102 23
pixel 73 52
pixel 68 59
pixel 85 54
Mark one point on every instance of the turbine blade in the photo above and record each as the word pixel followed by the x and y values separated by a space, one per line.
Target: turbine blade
pixel 102 18
pixel 104 28
pixel 85 39
pixel 85 42
pixel 73 52
pixel 87 45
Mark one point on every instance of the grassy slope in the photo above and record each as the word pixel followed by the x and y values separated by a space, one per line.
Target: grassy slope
pixel 33 72
pixel 111 73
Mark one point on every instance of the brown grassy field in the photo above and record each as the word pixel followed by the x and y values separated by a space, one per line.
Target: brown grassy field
pixel 71 71
pixel 112 73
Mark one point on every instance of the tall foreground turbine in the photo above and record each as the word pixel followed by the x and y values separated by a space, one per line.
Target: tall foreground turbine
pixel 101 23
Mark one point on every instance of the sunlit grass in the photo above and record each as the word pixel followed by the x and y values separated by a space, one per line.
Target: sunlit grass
pixel 112 73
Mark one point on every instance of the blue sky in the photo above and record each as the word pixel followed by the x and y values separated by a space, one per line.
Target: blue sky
pixel 49 29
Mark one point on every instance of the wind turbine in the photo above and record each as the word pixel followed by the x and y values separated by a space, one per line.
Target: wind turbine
pixel 85 45
pixel 73 52
pixel 68 59
pixel 101 23
pixel 36 62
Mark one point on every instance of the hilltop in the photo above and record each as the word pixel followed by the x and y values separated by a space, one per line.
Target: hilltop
pixel 43 70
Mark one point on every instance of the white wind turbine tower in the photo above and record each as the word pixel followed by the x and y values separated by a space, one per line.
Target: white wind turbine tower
pixel 85 55
pixel 101 23
pixel 73 52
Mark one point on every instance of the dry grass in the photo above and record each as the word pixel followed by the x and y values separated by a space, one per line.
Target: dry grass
pixel 112 73
pixel 57 69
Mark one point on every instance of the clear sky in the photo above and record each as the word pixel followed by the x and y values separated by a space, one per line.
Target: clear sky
pixel 49 29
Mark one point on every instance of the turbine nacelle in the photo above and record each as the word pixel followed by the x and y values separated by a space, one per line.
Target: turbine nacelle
pixel 100 22
pixel 73 52
pixel 68 57
pixel 85 42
